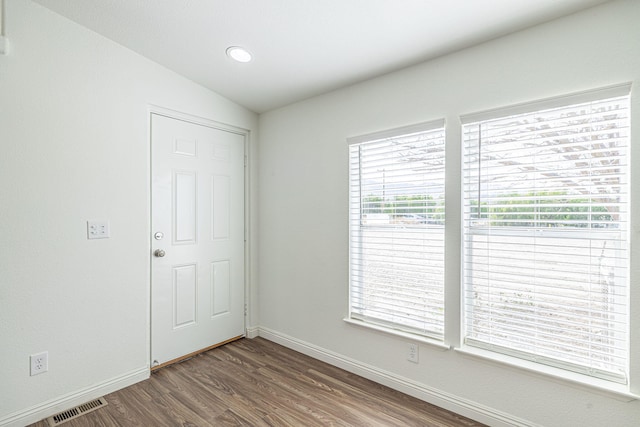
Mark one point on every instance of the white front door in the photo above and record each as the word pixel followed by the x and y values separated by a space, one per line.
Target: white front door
pixel 197 237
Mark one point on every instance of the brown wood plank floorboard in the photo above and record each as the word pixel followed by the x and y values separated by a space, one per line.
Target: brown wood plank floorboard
pixel 259 383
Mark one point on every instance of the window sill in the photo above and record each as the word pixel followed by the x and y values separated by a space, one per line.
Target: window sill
pixel 618 391
pixel 397 333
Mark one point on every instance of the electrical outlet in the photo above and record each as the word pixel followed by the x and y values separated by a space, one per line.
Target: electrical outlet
pixel 412 354
pixel 97 229
pixel 39 363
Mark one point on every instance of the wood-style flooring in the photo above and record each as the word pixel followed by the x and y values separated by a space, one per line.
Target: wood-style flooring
pixel 259 383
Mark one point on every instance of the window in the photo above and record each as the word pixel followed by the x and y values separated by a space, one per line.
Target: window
pixel 546 232
pixel 396 222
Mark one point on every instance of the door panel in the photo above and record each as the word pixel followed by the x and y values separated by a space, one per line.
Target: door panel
pixel 184 207
pixel 185 295
pixel 197 219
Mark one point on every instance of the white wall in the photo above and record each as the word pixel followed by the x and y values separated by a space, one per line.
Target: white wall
pixel 74 146
pixel 303 192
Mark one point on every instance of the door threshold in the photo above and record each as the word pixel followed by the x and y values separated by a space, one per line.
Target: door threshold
pixel 195 353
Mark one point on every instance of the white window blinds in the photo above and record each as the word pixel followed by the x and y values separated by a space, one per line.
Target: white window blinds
pixel 396 222
pixel 545 234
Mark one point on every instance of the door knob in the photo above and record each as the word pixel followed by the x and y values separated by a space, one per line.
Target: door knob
pixel 159 253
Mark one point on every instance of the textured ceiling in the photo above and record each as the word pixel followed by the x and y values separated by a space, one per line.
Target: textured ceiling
pixel 301 47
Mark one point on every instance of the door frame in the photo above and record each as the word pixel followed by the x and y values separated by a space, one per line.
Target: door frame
pixel 202 121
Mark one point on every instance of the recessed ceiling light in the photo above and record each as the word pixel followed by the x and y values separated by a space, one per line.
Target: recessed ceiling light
pixel 239 54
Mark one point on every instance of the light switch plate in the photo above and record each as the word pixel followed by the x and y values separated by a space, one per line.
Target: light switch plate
pixel 98 229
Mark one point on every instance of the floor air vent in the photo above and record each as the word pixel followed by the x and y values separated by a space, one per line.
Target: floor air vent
pixel 76 412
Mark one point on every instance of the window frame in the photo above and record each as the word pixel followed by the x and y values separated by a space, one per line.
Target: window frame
pixel 363 320
pixel 514 356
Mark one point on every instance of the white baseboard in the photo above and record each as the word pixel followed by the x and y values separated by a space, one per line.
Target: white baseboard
pixel 423 392
pixel 63 403
pixel 252 332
